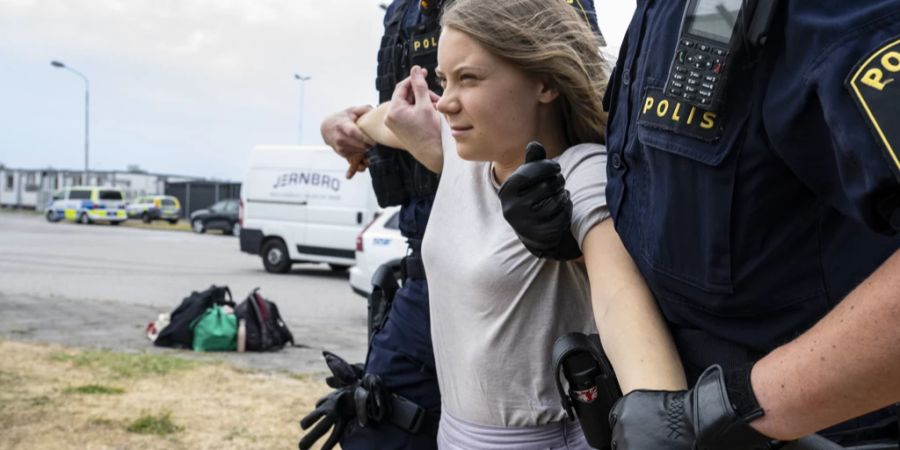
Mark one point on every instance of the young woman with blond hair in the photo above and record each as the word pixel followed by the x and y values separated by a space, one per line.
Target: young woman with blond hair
pixel 514 71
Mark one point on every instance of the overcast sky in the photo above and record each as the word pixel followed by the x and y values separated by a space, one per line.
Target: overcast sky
pixel 186 86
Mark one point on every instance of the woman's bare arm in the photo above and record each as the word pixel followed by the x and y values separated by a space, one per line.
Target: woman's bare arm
pixel 372 124
pixel 632 330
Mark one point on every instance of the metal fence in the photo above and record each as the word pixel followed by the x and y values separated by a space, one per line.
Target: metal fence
pixel 195 195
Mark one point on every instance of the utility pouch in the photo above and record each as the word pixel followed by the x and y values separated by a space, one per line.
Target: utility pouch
pixel 424 181
pixel 385 167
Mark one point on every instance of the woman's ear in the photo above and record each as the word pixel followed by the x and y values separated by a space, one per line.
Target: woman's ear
pixel 547 91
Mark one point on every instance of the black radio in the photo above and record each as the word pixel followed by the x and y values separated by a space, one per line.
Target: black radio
pixel 712 34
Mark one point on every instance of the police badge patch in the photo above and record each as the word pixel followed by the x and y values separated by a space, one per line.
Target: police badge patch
pixel 872 85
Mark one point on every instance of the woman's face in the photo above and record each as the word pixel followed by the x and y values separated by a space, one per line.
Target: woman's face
pixel 492 107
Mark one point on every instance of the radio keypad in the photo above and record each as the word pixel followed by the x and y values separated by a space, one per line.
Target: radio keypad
pixel 696 71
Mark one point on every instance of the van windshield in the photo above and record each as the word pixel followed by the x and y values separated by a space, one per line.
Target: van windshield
pixel 110 195
pixel 80 195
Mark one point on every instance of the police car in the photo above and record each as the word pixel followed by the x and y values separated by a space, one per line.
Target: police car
pixel 378 243
pixel 87 204
pixel 155 207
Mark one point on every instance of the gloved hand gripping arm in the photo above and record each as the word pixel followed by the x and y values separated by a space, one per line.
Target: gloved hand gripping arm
pixel 537 206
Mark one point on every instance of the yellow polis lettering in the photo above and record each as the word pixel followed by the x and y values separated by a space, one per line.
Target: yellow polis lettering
pixel 663 108
pixel 648 104
pixel 874 77
pixel 416 45
pixel 709 120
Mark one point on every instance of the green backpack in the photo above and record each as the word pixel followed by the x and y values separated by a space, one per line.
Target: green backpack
pixel 215 330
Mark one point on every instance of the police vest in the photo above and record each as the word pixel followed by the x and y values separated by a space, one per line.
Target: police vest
pixel 396 175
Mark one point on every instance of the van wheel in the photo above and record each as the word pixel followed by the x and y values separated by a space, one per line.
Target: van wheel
pixel 338 267
pixel 197 226
pixel 145 217
pixel 84 219
pixel 275 257
pixel 173 221
pixel 52 217
pixel 116 222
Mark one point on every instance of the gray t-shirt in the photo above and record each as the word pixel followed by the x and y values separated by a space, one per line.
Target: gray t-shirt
pixel 496 309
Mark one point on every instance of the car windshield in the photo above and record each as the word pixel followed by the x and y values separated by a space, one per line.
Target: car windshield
pixel 80 195
pixel 110 195
pixel 168 202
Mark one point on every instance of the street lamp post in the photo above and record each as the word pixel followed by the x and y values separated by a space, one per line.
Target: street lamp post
pixel 87 112
pixel 302 80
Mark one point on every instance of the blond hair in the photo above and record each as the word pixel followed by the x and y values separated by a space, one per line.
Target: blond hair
pixel 548 39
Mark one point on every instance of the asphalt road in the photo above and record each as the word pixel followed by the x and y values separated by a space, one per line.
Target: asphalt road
pixel 99 285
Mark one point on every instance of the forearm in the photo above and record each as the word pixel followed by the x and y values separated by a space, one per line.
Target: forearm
pixel 372 123
pixel 845 366
pixel 631 328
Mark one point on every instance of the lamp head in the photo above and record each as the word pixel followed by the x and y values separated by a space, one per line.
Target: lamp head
pixel 57 64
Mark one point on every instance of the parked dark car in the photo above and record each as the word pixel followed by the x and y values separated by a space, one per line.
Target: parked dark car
pixel 220 216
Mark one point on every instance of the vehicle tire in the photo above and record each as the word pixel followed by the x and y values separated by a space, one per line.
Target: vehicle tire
pixel 173 221
pixel 338 267
pixel 145 217
pixel 197 226
pixel 116 222
pixel 84 219
pixel 275 256
pixel 236 229
pixel 51 216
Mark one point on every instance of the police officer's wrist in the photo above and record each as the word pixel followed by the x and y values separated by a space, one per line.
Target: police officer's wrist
pixel 740 392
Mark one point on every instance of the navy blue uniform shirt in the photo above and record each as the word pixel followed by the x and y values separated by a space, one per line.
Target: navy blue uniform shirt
pixel 750 224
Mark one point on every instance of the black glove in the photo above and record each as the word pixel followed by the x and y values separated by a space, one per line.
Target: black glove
pixel 343 374
pixel 335 410
pixel 537 206
pixel 702 418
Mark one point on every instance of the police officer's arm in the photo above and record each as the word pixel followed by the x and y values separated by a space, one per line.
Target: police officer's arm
pixel 845 366
pixel 340 132
pixel 631 328
pixel 409 121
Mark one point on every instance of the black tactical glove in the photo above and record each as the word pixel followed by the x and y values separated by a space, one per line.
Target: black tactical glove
pixel 537 206
pixel 336 409
pixel 343 374
pixel 702 418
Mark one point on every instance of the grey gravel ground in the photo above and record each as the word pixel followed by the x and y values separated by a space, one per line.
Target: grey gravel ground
pixel 99 285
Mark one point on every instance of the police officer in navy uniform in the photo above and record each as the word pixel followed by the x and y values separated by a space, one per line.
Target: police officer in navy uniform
pixel 766 226
pixel 393 402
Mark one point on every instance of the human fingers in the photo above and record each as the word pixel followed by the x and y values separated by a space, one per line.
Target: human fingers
pixel 419 85
pixel 357 111
pixel 403 95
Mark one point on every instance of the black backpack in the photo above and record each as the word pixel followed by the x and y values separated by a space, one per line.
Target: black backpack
pixel 265 329
pixel 178 334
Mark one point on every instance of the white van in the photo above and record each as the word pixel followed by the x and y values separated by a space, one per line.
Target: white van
pixel 297 206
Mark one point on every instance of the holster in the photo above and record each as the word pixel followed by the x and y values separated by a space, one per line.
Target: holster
pixel 384 287
pixel 574 355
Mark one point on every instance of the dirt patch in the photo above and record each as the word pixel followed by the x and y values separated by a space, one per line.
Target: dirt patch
pixel 55 397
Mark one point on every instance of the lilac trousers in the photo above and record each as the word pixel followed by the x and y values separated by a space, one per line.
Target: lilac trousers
pixel 456 434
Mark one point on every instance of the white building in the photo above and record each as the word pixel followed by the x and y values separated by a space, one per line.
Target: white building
pixel 31 188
